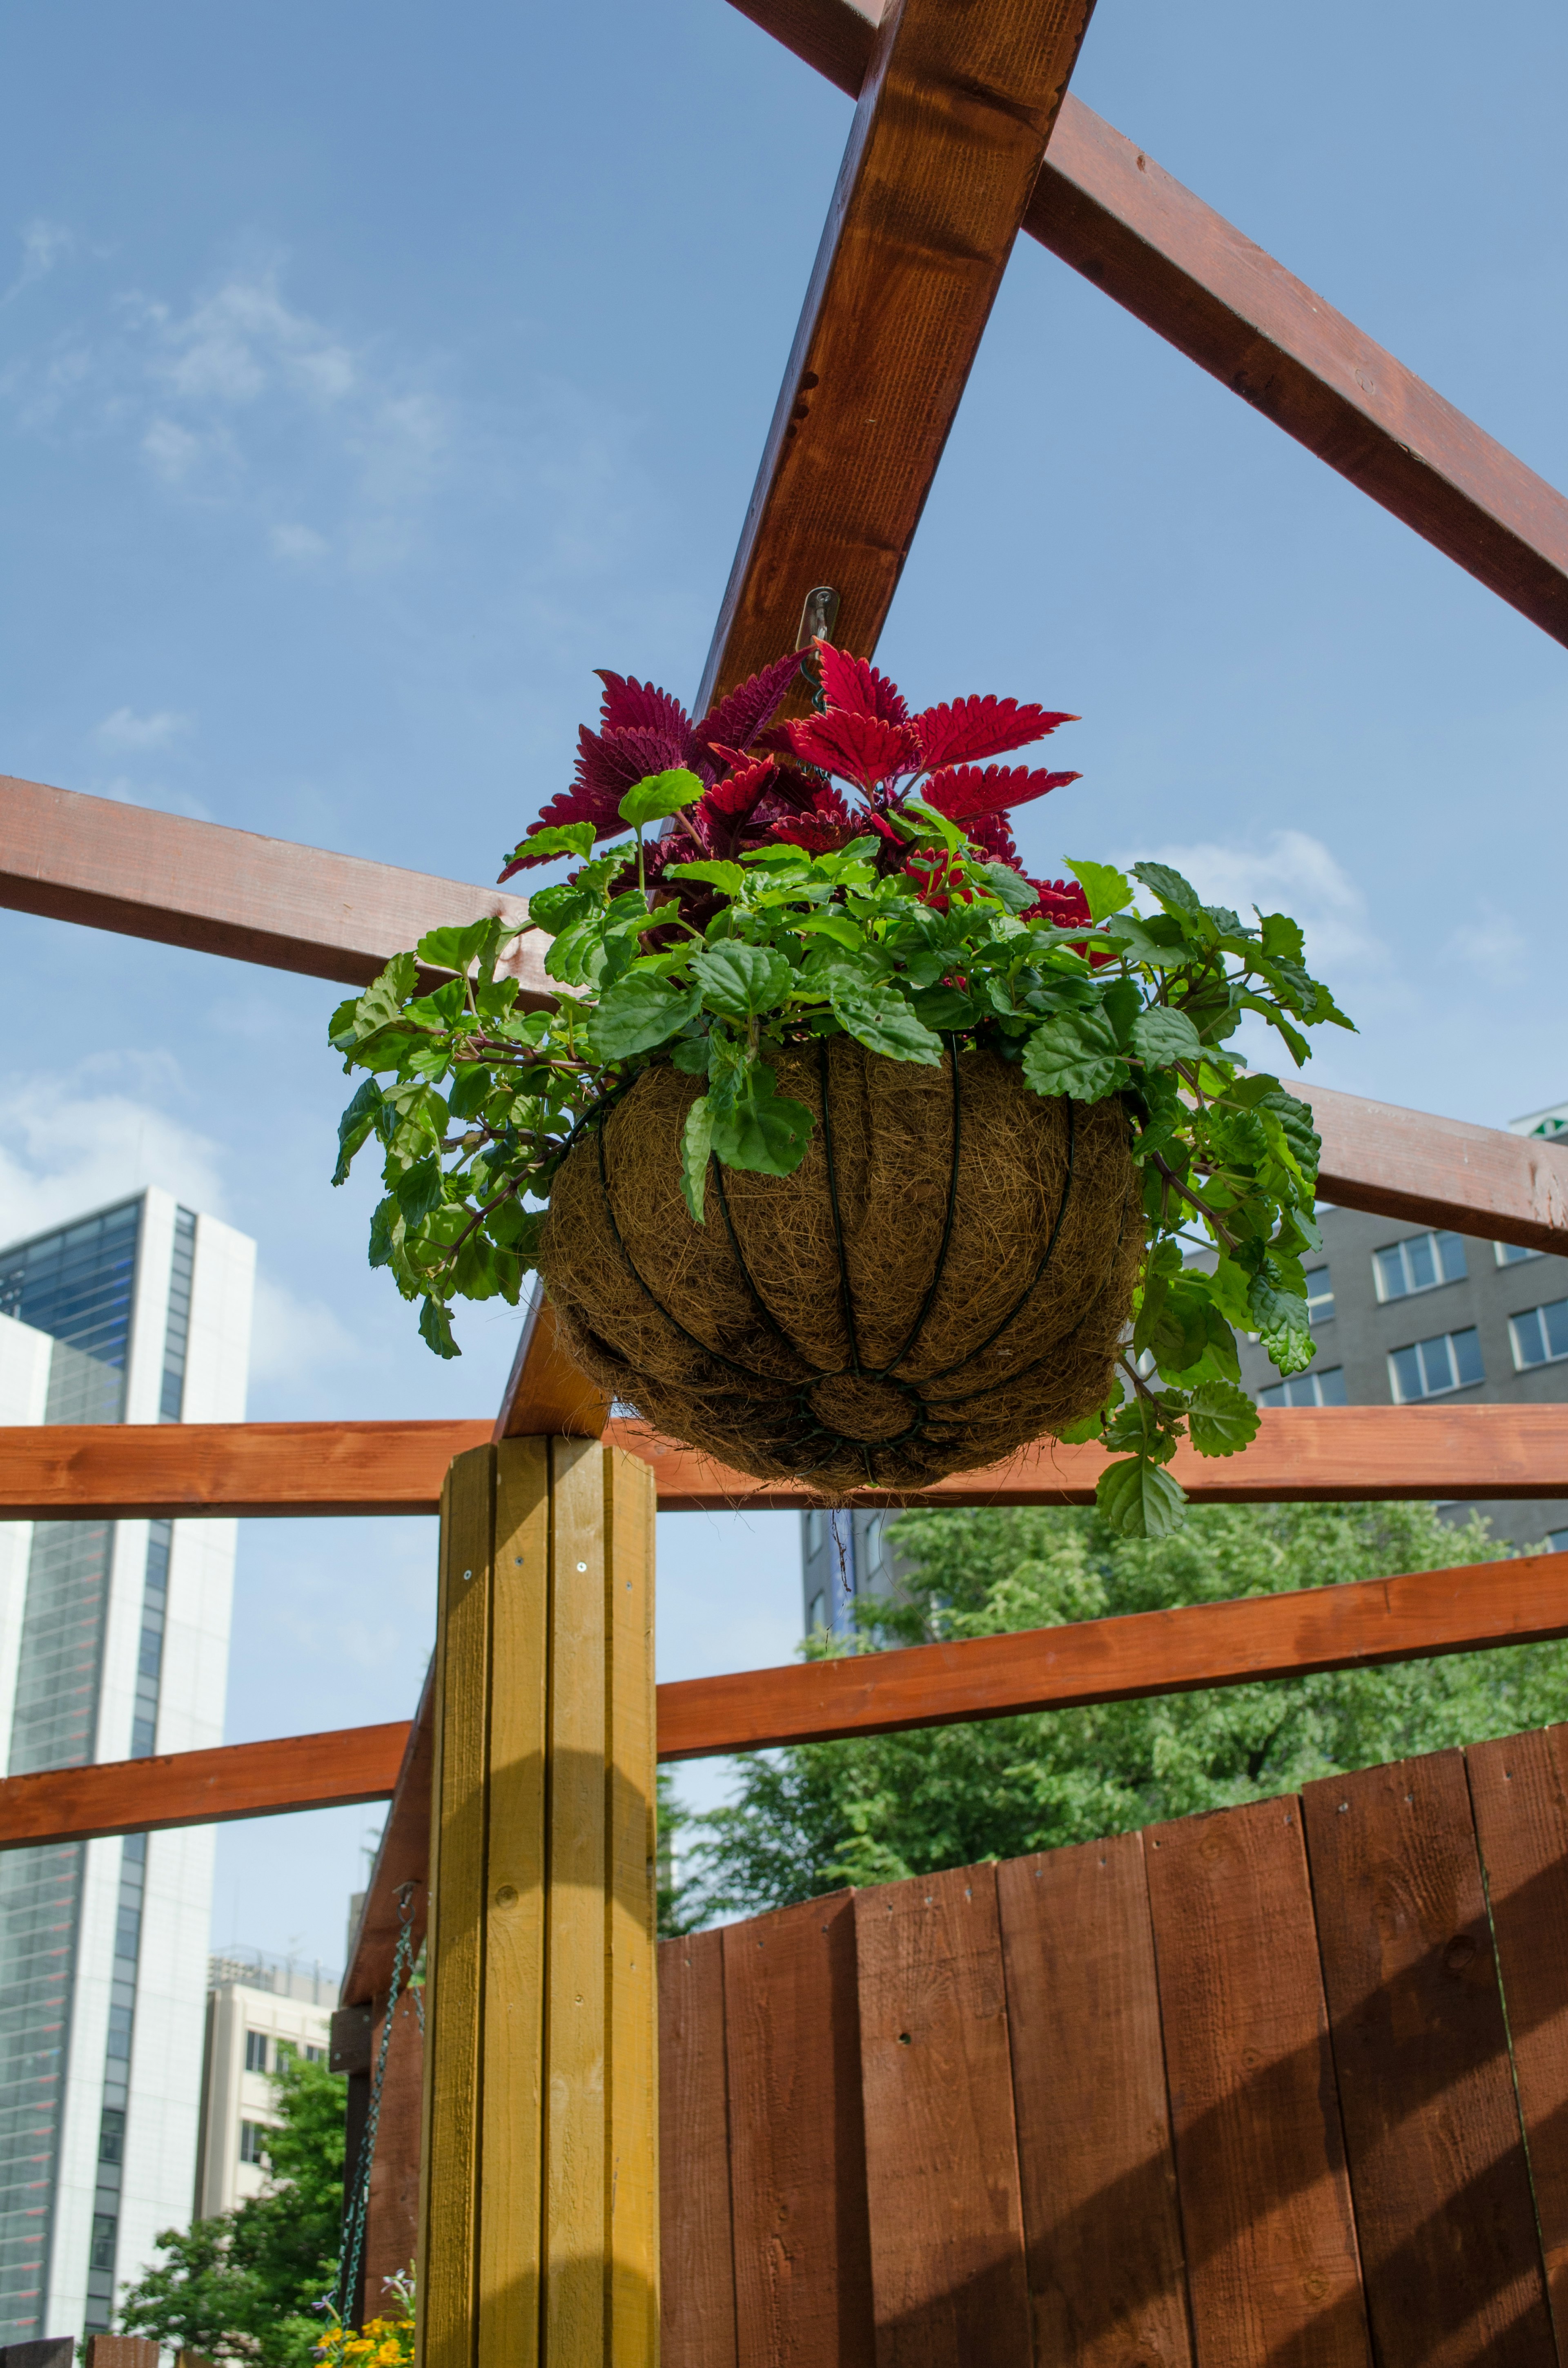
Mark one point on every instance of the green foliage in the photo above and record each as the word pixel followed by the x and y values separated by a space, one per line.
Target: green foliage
pixel 244 2287
pixel 875 1809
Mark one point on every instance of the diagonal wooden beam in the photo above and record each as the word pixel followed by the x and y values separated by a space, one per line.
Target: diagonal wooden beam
pixel 230 892
pixel 1104 206
pixel 952 122
pixel 546 1395
pixel 1440 1171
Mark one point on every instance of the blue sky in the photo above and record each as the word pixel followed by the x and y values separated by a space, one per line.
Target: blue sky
pixel 369 375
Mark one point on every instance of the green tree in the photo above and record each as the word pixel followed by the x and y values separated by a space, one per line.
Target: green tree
pixel 874 1810
pixel 244 2286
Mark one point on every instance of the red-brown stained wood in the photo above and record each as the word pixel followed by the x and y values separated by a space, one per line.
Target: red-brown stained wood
pixel 228 892
pixel 171 1471
pixel 122 2351
pixel 697 2276
pixel 203 1788
pixel 796 2139
pixel 392 2218
pixel 1440 1171
pixel 1108 2287
pixel 1359 1625
pixel 1270 2245
pixel 1518 1791
pixel 1449 2249
pixel 949 129
pixel 402 1859
pixel 947 2270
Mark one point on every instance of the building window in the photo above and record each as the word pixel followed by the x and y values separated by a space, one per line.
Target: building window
pixel 1419 1264
pixel 1541 1335
pixel 1320 1296
pixel 313 2054
pixel 1307 1389
pixel 1511 1254
pixel 1556 1542
pixel 112 2135
pixel 101 2253
pixel 255 2051
pixel 1432 1368
pixel 253 2147
pixel 813 1534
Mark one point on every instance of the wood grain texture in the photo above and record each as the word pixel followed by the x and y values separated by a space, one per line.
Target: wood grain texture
pixel 631 1893
pixel 803 2267
pixel 947 2274
pixel 949 129
pixel 402 1857
pixel 1360 1625
pixel 392 2218
pixel 1103 206
pixel 220 890
pixel 546 1395
pixel 512 1909
pixel 1518 1791
pixel 1442 2193
pixel 203 1788
pixel 574 2327
pixel 248 1470
pixel 1272 2265
pixel 1440 1171
pixel 122 2351
pixel 1107 2285
pixel 450 2166
pixel 697 2276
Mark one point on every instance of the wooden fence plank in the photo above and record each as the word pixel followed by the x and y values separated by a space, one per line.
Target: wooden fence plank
pixel 220 890
pixel 947 2270
pixel 1271 2255
pixel 632 1917
pixel 950 129
pixel 1519 1794
pixel 403 1857
pixel 796 2139
pixel 1107 2285
pixel 1450 2253
pixel 698 2281
pixel 392 2220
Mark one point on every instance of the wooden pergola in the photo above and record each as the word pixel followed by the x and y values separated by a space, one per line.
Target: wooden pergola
pixel 520 1828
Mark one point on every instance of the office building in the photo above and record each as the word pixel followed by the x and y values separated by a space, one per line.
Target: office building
pixel 258 2010
pixel 113 1644
pixel 842 1556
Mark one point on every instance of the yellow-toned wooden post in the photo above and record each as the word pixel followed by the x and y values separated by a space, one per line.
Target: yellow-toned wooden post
pixel 538 2230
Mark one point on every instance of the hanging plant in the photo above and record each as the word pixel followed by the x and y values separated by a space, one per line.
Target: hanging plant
pixel 849 1153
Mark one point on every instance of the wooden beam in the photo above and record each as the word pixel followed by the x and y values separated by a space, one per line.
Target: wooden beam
pixel 230 892
pixel 953 115
pixel 279 1470
pixel 1440 1171
pixel 203 1788
pixel 1363 1624
pixel 546 1395
pixel 1103 206
pixel 402 1859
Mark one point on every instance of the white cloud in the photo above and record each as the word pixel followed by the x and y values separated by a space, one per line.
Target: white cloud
pixel 1294 874
pixel 292 1337
pixel 236 345
pixel 44 244
pixel 126 729
pixel 67 1146
pixel 1494 946
pixel 301 543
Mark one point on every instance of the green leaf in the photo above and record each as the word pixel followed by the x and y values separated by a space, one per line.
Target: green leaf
pixel 637 1014
pixel 418 1189
pixel 386 1232
pixel 1056 1059
pixel 470 1091
pixel 728 877
pixel 1160 1036
pixel 517 1229
pixel 760 1130
pixel 658 794
pixel 1222 1418
pixel 943 1007
pixel 383 999
pixel 741 981
pixel 553 909
pixel 836 926
pixel 436 1329
pixel 1108 889
pixel 881 1019
pixel 1281 1321
pixel 455 949
pixel 1159 943
pixel 695 1147
pixel 559 839
pixel 353 1127
pixel 1282 937
pixel 1139 1499
pixel 1176 895
pixel 1089 1427
pixel 1009 887
pixel 690 1056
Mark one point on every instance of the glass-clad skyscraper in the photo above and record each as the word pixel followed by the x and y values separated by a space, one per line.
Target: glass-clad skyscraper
pixel 113 1644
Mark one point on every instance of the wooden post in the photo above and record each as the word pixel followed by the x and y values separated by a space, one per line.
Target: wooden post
pixel 538 2230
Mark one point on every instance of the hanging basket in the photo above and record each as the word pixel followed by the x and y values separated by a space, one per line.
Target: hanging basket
pixel 945 1276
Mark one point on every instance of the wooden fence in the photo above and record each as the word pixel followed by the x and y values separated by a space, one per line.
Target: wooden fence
pixel 1281 2086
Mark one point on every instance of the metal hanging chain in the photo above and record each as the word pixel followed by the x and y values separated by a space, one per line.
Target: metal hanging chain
pixel 403 1968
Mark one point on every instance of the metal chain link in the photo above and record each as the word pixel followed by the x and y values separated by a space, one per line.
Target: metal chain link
pixel 403 1968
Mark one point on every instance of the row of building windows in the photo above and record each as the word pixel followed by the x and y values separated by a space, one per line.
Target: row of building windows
pixel 264 2053
pixel 1432 1369
pixel 1424 1262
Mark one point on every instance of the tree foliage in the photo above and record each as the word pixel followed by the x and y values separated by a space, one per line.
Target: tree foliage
pixel 875 1809
pixel 245 2285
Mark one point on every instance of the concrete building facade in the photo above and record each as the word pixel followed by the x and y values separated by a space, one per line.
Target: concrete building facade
pixel 113 1644
pixel 256 2013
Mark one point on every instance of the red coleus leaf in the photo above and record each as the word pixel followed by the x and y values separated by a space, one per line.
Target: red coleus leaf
pixel 828 828
pixel 630 705
pixel 855 688
pixel 866 749
pixel 1064 902
pixel 992 833
pixel 739 791
pixel 740 715
pixel 981 727
pixel 964 790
